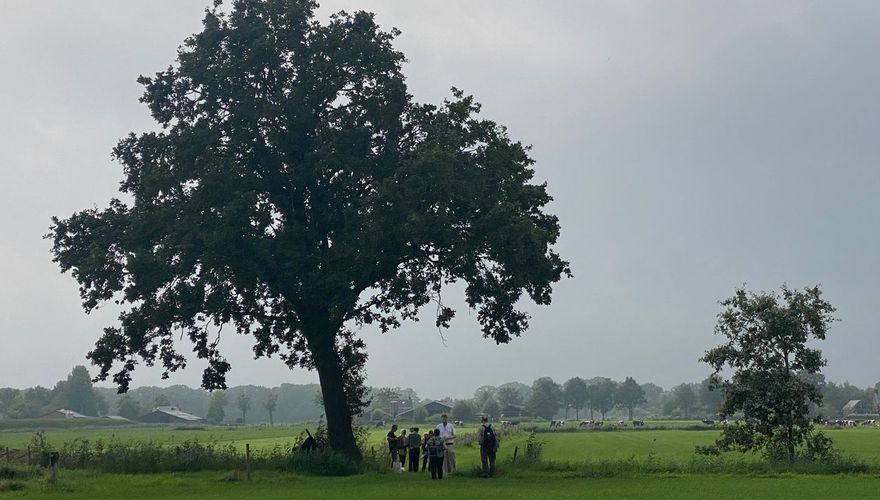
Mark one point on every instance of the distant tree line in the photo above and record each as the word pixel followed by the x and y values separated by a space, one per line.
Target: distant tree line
pixel 593 398
pixel 250 404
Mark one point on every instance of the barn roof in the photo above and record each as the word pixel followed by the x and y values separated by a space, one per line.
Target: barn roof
pixel 852 404
pixel 175 412
pixel 66 413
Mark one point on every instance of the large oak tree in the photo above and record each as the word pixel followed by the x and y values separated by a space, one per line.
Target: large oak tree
pixel 296 192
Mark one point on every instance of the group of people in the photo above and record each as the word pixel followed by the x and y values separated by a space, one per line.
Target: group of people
pixel 437 448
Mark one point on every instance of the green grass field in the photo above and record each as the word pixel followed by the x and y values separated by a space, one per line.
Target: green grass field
pixel 82 485
pixel 583 447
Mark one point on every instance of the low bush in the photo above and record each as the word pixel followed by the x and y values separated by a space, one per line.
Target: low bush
pixel 6 485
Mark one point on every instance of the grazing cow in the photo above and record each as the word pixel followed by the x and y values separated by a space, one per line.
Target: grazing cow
pixel 621 423
pixel 552 424
pixel 458 423
pixel 638 423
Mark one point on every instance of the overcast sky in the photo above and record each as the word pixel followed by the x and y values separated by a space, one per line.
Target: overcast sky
pixel 690 147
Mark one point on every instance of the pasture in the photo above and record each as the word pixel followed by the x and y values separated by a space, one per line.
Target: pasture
pixel 578 463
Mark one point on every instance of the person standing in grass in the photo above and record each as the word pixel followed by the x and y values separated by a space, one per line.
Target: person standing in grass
pixel 425 439
pixel 415 442
pixel 436 451
pixel 488 446
pixel 401 448
pixel 393 441
pixel 447 432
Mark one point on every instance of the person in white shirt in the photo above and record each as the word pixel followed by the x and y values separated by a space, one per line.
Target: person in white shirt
pixel 447 433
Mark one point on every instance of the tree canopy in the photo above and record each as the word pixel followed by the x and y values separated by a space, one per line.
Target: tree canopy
pixel 601 395
pixel 546 398
pixel 629 394
pixel 766 338
pixel 296 190
pixel 575 394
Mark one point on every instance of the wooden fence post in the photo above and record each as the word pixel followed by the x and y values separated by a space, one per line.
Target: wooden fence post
pixel 247 459
pixel 53 461
pixel 515 451
pixel 28 455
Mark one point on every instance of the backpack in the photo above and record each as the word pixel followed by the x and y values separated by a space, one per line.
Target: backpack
pixel 435 449
pixel 489 439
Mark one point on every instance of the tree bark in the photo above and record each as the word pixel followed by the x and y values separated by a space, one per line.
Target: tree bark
pixel 321 337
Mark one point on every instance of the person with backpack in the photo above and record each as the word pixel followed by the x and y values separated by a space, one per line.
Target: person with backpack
pixel 436 451
pixel 488 446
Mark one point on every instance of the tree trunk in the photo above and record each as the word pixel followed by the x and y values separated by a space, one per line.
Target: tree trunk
pixel 271 422
pixel 321 337
pixel 577 413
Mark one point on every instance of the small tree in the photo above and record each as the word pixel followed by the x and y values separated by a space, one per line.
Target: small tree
pixel 629 394
pixel 217 407
pixel 575 394
pixel 684 398
pixel 464 410
pixel 161 400
pixel 709 396
pixel 128 407
pixel 546 398
pixel 244 404
pixel 509 396
pixel 77 393
pixel 601 395
pixel 765 344
pixel 270 405
pixel 420 415
pixel 491 407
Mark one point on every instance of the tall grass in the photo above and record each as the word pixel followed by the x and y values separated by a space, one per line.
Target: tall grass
pixel 697 464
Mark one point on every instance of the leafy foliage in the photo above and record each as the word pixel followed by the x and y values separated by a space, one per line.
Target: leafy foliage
pixel 766 345
pixel 546 398
pixel 217 407
pixel 629 394
pixel 295 189
pixel 601 395
pixel 575 394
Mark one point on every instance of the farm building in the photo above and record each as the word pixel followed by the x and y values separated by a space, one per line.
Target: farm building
pixel 857 407
pixel 431 407
pixel 513 411
pixel 63 414
pixel 116 417
pixel 169 415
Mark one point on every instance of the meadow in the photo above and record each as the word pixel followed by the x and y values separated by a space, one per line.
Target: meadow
pixel 597 464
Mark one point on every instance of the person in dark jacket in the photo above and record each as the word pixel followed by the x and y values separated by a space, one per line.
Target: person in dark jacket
pixel 488 446
pixel 415 445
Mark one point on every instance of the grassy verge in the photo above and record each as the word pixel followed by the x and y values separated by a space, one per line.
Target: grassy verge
pixel 270 485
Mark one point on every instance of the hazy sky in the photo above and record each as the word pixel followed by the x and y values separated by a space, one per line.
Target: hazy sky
pixel 691 147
